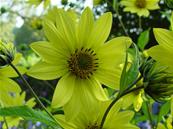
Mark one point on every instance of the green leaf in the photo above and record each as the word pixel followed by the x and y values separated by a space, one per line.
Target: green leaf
pixel 28 114
pixel 129 76
pixel 164 110
pixel 143 39
pixel 123 80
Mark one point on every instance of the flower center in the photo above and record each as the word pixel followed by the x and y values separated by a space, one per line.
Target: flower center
pixel 83 63
pixel 95 126
pixel 141 3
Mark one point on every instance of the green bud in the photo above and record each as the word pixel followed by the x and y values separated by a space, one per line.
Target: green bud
pixel 7 52
pixel 3 10
pixel 158 82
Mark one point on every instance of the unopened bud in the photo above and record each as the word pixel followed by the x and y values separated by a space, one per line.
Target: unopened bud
pixel 7 52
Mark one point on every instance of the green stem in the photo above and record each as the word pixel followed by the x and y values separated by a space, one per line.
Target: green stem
pixel 140 24
pixel 118 15
pixel 121 22
pixel 115 100
pixel 149 115
pixel 33 93
pixel 5 121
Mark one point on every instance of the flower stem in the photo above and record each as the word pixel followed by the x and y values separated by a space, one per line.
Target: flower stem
pixel 33 93
pixel 118 15
pixel 149 115
pixel 5 121
pixel 140 24
pixel 115 100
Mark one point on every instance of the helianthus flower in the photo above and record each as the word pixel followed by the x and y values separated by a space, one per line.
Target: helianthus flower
pixel 141 7
pixel 91 118
pixel 164 51
pixel 13 99
pixel 76 53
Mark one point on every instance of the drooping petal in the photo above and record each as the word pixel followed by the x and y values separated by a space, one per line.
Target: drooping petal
pixel 63 91
pixel 82 97
pixel 164 38
pixel 10 72
pixel 109 77
pixel 85 26
pixel 122 120
pixel 46 71
pixel 100 31
pixel 8 85
pixel 49 53
pixel 97 89
pixel 112 53
pixel 158 52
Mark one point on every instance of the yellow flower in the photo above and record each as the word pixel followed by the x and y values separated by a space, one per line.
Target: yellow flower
pixel 91 118
pixel 134 98
pixel 76 53
pixel 164 51
pixel 141 7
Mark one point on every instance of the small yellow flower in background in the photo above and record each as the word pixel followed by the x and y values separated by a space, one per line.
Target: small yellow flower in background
pixel 91 118
pixel 134 98
pixel 163 52
pixel 76 53
pixel 10 99
pixel 141 7
pixel 96 2
pixel 36 23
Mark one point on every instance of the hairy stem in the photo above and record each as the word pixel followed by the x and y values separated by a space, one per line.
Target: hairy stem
pixel 115 100
pixel 33 93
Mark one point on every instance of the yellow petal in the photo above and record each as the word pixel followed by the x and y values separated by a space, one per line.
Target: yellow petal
pixel 85 26
pixel 46 71
pixel 164 38
pixel 63 91
pixel 49 53
pixel 100 31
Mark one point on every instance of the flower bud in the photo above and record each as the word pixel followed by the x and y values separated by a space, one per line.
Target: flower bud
pixel 7 52
pixel 158 82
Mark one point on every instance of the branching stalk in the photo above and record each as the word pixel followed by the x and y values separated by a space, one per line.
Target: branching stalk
pixel 115 100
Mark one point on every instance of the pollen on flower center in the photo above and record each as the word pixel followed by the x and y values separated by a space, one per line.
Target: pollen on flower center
pixel 141 3
pixel 83 63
